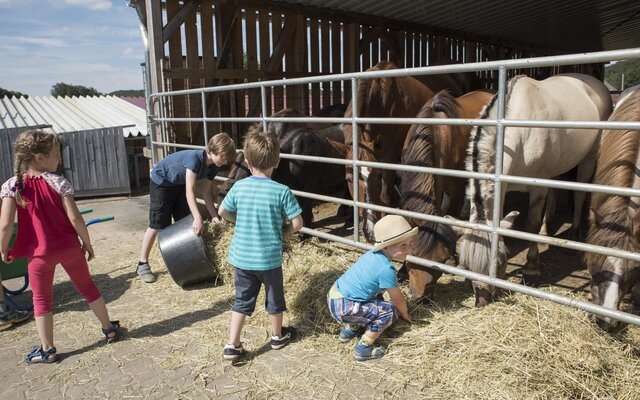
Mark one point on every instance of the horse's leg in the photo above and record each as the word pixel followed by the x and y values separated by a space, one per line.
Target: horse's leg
pixel 585 172
pixel 549 212
pixel 531 269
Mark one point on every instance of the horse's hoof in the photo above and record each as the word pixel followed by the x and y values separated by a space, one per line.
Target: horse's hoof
pixel 531 280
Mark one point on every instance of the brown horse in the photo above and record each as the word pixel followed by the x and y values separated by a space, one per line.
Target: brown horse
pixel 384 97
pixel 615 220
pixel 441 146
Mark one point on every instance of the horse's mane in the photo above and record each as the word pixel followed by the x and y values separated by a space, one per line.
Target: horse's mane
pixel 417 189
pixel 481 153
pixel 617 167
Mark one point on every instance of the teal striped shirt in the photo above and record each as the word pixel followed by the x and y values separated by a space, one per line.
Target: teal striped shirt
pixel 261 206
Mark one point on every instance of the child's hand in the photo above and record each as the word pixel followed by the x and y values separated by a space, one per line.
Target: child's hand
pixel 6 259
pixel 88 249
pixel 216 220
pixel 198 225
pixel 407 318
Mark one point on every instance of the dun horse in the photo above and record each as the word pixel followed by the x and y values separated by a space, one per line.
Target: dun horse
pixel 615 220
pixel 531 152
pixel 441 146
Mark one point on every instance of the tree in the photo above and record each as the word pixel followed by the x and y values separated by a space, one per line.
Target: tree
pixel 65 89
pixel 630 69
pixel 128 93
pixel 10 93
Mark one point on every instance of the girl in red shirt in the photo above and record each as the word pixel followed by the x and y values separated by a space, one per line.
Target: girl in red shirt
pixel 49 225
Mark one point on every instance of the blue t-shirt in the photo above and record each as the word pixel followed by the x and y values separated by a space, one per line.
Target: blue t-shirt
pixel 261 206
pixel 371 274
pixel 172 170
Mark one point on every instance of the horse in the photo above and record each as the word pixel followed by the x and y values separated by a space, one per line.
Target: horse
pixel 531 152
pixel 308 176
pixel 384 97
pixel 441 146
pixel 614 219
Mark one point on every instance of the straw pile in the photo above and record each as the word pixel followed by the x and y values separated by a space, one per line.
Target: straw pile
pixel 519 347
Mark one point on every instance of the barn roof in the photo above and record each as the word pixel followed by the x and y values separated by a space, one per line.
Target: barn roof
pixel 567 26
pixel 70 114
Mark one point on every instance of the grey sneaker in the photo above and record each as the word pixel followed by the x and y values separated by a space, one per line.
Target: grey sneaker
pixel 9 315
pixel 144 272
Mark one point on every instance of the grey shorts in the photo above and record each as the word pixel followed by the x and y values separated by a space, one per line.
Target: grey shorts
pixel 248 285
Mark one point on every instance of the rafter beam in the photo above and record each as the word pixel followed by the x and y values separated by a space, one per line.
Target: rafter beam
pixel 176 22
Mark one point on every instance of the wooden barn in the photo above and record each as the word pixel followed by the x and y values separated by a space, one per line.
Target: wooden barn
pixel 204 43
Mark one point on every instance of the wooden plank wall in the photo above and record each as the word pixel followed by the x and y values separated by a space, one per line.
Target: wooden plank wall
pixel 259 41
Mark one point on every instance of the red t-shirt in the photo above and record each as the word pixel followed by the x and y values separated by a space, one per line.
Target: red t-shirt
pixel 43 226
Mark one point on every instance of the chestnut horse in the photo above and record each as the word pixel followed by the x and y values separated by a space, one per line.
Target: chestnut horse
pixel 441 146
pixel 615 220
pixel 531 152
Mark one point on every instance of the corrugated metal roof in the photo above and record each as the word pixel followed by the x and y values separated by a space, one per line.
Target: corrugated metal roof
pixel 69 114
pixel 569 26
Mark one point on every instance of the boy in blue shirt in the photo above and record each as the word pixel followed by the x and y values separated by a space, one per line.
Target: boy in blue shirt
pixel 259 207
pixel 355 300
pixel 172 191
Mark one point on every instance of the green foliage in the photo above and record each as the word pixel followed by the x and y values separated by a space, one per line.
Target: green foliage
pixel 11 93
pixel 128 93
pixel 65 89
pixel 630 69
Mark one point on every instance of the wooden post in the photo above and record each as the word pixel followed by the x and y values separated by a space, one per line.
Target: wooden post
pixel 156 54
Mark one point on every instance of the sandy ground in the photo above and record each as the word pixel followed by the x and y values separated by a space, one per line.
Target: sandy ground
pixel 172 347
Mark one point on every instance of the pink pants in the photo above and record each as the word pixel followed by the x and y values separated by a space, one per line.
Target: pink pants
pixel 41 271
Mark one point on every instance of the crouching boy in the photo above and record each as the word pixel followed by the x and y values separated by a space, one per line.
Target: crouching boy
pixel 355 299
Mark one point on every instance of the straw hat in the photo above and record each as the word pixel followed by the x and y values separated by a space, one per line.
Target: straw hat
pixel 392 229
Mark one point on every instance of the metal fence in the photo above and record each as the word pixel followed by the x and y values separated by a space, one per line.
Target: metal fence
pixel 500 123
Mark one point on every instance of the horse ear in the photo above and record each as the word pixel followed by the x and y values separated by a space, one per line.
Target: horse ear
pixel 459 231
pixel 377 143
pixel 507 222
pixel 341 147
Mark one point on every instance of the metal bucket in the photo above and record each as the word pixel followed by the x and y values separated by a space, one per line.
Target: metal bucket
pixel 185 254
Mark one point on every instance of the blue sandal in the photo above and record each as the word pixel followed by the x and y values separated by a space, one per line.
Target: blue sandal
pixel 348 332
pixel 39 356
pixel 115 327
pixel 364 352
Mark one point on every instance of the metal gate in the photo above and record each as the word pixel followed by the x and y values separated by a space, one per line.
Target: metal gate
pixel 159 124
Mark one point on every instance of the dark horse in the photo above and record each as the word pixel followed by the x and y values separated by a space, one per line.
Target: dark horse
pixel 307 176
pixel 615 220
pixel 441 146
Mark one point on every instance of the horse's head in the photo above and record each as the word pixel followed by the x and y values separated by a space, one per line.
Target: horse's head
pixel 238 170
pixel 612 278
pixel 475 255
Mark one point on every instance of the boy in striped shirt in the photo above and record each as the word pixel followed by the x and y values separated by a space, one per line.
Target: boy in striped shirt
pixel 259 208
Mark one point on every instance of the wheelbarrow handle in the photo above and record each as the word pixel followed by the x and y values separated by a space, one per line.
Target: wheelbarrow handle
pixel 96 220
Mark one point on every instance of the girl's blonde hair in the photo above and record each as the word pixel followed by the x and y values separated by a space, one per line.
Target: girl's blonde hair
pixel 27 145
pixel 261 149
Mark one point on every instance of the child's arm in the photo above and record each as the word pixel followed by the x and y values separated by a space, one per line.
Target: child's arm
pixel 7 215
pixel 398 300
pixel 77 221
pixel 229 216
pixel 198 225
pixel 207 195
pixel 295 225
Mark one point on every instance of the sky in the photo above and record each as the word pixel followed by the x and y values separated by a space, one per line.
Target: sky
pixel 93 43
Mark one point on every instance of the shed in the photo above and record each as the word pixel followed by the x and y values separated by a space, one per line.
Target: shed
pixel 102 139
pixel 199 43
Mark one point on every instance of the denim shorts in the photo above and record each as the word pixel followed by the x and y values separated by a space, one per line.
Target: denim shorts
pixel 248 283
pixel 166 202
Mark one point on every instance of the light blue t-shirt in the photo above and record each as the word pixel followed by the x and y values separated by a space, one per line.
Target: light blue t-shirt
pixel 371 274
pixel 172 170
pixel 261 206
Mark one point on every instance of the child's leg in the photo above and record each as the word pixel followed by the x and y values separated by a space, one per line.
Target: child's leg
pixel 76 266
pixel 381 315
pixel 147 243
pixel 247 289
pixel 41 271
pixel 274 302
pixel 237 322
